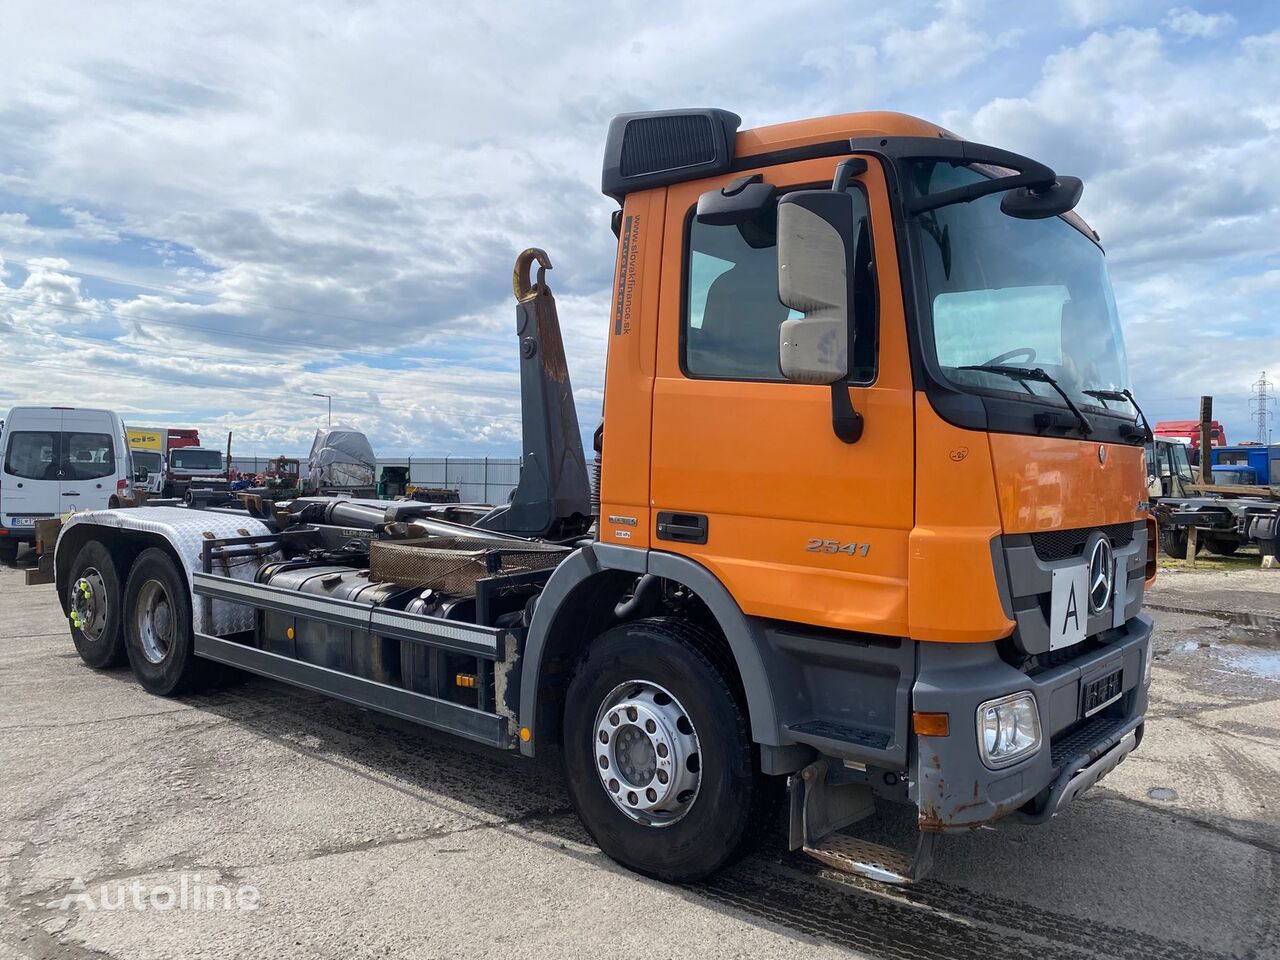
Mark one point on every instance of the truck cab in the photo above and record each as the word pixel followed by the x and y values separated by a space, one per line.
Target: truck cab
pixel 949 516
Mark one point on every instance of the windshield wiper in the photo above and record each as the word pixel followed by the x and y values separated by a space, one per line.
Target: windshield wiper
pixel 1038 375
pixel 1124 394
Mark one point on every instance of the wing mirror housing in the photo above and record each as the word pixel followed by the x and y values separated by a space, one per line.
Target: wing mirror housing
pixel 1046 200
pixel 815 278
pixel 746 203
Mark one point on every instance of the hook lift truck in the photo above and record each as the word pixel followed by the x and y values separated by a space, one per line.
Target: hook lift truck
pixel 871 524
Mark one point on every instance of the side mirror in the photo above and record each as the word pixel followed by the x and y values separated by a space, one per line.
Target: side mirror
pixel 816 236
pixel 815 232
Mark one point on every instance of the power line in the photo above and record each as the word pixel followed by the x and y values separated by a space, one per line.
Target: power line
pixel 1261 407
pixel 295 343
pixel 409 379
pixel 257 392
pixel 177 289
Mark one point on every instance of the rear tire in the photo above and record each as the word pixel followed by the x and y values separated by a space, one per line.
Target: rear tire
pixel 95 603
pixel 8 550
pixel 159 637
pixel 711 805
pixel 1173 541
pixel 1223 548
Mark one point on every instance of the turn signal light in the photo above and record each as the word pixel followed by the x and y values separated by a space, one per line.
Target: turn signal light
pixel 931 724
pixel 467 680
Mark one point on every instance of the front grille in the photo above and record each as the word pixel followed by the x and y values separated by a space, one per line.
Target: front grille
pixel 1065 544
pixel 1073 742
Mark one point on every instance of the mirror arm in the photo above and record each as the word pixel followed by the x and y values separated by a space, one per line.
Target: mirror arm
pixel 845 421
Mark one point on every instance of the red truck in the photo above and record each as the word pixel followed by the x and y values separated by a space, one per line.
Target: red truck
pixel 1189 430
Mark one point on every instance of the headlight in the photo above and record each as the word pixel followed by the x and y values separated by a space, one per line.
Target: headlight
pixel 1008 729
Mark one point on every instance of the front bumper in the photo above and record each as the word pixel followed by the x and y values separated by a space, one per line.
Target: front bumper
pixel 951 786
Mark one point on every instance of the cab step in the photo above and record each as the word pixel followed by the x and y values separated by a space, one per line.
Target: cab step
pixel 825 799
pixel 874 861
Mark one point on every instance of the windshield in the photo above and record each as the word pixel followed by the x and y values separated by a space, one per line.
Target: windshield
pixel 1021 293
pixel 193 459
pixel 148 460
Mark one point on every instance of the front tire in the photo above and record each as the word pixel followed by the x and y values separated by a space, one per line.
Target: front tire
pixel 159 637
pixel 93 605
pixel 658 755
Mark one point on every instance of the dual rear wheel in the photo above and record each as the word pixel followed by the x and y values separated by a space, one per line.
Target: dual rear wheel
pixel 147 623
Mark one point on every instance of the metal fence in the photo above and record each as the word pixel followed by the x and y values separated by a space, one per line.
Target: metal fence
pixel 477 479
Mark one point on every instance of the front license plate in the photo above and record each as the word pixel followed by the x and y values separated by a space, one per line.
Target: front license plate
pixel 1069 606
pixel 1101 692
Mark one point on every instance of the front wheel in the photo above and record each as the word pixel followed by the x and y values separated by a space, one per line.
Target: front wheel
pixel 658 756
pixel 159 637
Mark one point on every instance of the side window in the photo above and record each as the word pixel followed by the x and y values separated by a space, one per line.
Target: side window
pixel 732 311
pixel 89 456
pixel 33 454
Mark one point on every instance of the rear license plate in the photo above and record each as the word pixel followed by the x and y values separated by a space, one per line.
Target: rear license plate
pixel 22 521
pixel 1102 692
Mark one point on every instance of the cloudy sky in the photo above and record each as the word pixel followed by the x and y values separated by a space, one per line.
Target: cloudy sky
pixel 209 212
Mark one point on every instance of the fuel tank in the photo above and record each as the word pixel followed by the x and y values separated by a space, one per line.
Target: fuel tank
pixel 340 648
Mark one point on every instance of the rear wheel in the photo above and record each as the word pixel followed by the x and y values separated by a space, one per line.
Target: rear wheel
pixel 158 634
pixel 8 550
pixel 1223 548
pixel 1173 541
pixel 93 605
pixel 658 756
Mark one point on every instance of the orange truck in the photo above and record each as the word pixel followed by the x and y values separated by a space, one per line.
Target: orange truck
pixel 870 525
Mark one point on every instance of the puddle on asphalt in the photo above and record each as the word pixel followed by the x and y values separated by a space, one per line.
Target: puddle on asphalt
pixel 1250 643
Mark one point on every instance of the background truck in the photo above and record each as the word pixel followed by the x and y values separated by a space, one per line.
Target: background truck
pixel 190 468
pixel 869 531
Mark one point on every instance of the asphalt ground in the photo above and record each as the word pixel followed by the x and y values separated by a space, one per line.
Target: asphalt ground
pixel 354 835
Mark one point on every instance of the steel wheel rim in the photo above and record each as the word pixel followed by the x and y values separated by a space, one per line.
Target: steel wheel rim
pixel 154 621
pixel 89 604
pixel 647 753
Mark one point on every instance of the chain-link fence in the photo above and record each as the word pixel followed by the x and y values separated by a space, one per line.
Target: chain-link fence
pixel 477 479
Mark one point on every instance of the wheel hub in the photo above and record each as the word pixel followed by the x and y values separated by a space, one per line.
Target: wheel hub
pixel 88 604
pixel 647 753
pixel 154 621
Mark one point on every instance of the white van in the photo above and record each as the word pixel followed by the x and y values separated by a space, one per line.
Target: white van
pixel 56 460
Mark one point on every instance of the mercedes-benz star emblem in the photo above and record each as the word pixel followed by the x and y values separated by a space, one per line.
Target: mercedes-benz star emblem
pixel 1102 570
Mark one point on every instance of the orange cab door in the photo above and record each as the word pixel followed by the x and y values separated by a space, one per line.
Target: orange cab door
pixel 797 524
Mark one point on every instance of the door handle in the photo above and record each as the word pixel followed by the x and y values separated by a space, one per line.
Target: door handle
pixel 72 493
pixel 682 527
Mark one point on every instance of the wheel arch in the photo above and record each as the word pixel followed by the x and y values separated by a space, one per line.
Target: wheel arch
pixel 578 604
pixel 124 545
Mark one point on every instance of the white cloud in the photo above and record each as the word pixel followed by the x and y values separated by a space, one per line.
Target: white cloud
pixel 361 181
pixel 1191 23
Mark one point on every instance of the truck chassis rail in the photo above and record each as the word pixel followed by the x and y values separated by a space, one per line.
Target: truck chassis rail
pixel 488 723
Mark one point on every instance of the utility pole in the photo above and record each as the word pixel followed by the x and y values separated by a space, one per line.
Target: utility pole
pixel 330 399
pixel 1262 406
pixel 1206 472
